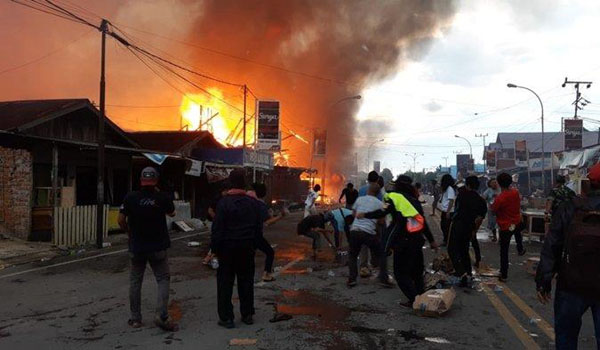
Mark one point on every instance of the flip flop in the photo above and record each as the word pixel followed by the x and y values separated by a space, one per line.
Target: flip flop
pixel 278 317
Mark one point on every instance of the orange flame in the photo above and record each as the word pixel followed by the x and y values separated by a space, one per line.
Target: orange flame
pixel 211 113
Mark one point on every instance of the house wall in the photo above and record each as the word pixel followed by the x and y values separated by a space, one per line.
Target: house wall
pixel 16 183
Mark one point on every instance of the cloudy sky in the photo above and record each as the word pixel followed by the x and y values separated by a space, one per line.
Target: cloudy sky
pixel 489 43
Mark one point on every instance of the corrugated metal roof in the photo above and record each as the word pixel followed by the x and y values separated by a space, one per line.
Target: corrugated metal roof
pixel 17 114
pixel 173 141
pixel 553 141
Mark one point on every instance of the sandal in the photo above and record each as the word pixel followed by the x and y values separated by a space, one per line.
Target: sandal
pixel 166 325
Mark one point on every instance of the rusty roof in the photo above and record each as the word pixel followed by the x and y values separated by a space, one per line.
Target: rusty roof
pixel 174 141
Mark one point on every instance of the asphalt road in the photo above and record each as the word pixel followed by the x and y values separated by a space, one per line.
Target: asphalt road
pixel 85 305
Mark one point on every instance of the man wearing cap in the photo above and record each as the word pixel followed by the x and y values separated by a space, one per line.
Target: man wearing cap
pixel 570 254
pixel 143 217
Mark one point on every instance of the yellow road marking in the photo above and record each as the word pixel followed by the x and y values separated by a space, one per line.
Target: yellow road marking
pixel 510 320
pixel 542 324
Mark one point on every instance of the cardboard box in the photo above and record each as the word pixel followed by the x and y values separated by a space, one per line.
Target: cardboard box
pixel 434 303
pixel 531 265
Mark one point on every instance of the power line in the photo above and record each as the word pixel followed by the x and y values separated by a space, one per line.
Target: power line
pixel 35 60
pixel 53 13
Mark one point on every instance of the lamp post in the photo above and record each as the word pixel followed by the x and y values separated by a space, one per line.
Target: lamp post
pixel 469 142
pixel 414 157
pixel 543 149
pixel 369 152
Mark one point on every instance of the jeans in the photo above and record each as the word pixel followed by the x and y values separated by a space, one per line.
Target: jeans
pixel 445 226
pixel 263 245
pixel 505 237
pixel 357 240
pixel 236 260
pixel 160 266
pixel 568 310
pixel 409 266
pixel 491 223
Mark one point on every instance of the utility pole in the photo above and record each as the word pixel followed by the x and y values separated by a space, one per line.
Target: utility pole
pixel 101 122
pixel 446 159
pixel 244 133
pixel 483 136
pixel 414 157
pixel 579 102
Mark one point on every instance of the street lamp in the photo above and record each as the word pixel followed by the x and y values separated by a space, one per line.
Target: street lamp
pixel 414 157
pixel 355 97
pixel 510 85
pixel 369 152
pixel 469 142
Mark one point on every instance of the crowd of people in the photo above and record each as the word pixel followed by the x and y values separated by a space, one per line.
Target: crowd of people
pixel 381 222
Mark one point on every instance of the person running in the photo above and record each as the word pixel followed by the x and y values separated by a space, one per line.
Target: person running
pixel 507 207
pixel 311 199
pixel 407 246
pixel 490 195
pixel 237 225
pixel 372 178
pixel 363 231
pixel 143 217
pixel 260 191
pixel 446 205
pixel 560 193
pixel 571 251
pixel 468 216
pixel 351 195
pixel 435 192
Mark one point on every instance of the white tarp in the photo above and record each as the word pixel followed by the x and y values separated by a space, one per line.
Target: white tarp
pixel 578 158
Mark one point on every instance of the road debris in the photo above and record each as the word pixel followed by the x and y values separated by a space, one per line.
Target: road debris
pixel 243 341
pixel 434 303
pixel 278 317
pixel 193 244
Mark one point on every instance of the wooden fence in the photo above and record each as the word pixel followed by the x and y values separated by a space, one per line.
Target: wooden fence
pixel 77 225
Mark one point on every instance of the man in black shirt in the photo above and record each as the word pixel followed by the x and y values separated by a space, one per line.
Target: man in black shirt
pixel 142 216
pixel 468 215
pixel 351 195
pixel 236 227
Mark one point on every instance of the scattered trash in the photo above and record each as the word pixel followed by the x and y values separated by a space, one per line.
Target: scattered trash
pixel 273 246
pixel 309 269
pixel 196 224
pixel 487 271
pixel 44 259
pixel 531 265
pixel 193 244
pixel 534 335
pixel 106 245
pixel 434 302
pixel 214 263
pixel 442 263
pixel 435 280
pixel 437 340
pixel 277 268
pixel 498 289
pixel 79 252
pixel 534 320
pixel 278 317
pixel 242 342
pixel 391 330
pixel 331 273
pixel 182 226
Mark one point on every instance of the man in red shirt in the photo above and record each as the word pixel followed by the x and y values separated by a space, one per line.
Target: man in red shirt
pixel 507 207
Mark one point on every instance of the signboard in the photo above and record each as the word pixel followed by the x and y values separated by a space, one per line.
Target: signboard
pixel 257 159
pixel 194 168
pixel 268 125
pixel 320 143
pixel 535 164
pixel 377 166
pixel 521 153
pixel 573 134
pixel 463 163
pixel 490 159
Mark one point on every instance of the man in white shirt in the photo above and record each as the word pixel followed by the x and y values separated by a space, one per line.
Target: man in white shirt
pixel 311 198
pixel 446 205
pixel 364 231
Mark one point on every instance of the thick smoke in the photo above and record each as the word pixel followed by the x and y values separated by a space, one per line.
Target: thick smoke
pixel 352 43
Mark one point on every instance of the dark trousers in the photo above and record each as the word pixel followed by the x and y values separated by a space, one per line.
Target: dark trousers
pixel 357 240
pixel 476 248
pixel 505 237
pixel 263 245
pixel 383 258
pixel 408 268
pixel 236 259
pixel 445 226
pixel 160 267
pixel 458 248
pixel 568 311
pixel 316 237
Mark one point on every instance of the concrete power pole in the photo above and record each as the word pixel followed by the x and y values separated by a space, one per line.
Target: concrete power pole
pixel 483 136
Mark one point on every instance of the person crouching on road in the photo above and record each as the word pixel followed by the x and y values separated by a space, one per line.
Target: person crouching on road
pixel 235 229
pixel 313 226
pixel 142 216
pixel 407 246
pixel 468 216
pixel 364 231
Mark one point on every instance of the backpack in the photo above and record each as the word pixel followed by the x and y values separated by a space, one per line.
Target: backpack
pixel 580 266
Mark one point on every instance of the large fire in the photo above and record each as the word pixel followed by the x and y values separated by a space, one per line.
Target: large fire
pixel 211 113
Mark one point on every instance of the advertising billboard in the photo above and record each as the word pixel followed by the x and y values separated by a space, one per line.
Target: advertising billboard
pixel 573 134
pixel 464 164
pixel 490 159
pixel 268 136
pixel 521 153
